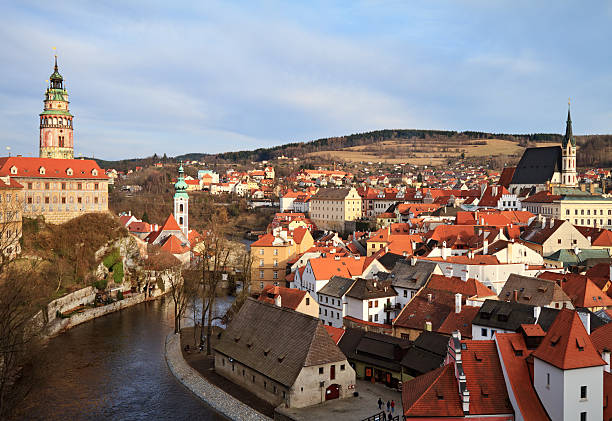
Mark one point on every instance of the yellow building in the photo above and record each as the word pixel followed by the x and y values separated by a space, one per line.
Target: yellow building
pixel 271 252
pixel 11 203
pixel 330 209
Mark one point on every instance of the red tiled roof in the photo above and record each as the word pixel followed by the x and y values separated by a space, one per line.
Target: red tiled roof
pixel 170 224
pixel 290 297
pixel 513 354
pixel 602 338
pixel 533 330
pixel 567 344
pixel 173 245
pixel 454 284
pixel 336 333
pixel 506 176
pixel 54 168
pixel 419 310
pixel 459 321
pixel 139 226
pixel 432 394
pixel 488 393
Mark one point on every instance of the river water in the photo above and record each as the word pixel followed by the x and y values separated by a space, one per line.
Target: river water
pixel 113 368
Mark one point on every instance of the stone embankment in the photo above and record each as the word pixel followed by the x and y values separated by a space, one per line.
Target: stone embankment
pixel 216 398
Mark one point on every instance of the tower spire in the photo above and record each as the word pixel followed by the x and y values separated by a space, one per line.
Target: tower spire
pixel 569 136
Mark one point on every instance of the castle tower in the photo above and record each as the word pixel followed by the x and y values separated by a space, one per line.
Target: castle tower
pixel 568 176
pixel 181 203
pixel 56 139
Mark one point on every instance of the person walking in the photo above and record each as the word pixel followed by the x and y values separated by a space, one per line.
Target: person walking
pixel 390 417
pixel 380 403
pixel 388 406
pixel 392 405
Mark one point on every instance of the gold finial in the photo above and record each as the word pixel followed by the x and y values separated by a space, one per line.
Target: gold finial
pixel 568 101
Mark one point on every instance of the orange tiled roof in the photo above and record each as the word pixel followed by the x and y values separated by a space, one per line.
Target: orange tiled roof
pixel 173 245
pixel 290 297
pixel 336 333
pixel 567 344
pixel 54 168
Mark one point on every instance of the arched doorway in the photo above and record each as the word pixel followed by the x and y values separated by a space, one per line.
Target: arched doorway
pixel 332 392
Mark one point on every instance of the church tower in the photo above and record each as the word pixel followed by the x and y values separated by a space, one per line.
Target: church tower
pixel 56 121
pixel 568 146
pixel 181 203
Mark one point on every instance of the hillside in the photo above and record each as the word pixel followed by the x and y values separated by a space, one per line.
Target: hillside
pixel 421 147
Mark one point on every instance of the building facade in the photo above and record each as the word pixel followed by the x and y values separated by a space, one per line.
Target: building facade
pixel 331 208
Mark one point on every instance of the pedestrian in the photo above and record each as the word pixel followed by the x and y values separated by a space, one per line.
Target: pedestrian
pixel 388 406
pixel 390 417
pixel 392 405
pixel 380 402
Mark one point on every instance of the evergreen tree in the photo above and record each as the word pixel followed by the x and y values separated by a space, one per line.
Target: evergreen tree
pixel 145 217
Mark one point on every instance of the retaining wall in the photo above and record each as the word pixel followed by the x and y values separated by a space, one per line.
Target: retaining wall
pixel 216 398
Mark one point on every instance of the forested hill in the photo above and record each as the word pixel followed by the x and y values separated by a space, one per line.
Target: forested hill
pixel 595 150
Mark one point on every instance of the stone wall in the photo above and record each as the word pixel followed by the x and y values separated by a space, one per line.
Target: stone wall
pixel 67 302
pixel 216 398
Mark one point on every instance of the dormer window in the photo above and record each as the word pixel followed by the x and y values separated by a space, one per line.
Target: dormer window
pixel 69 171
pixel 94 172
pixel 13 170
pixel 41 170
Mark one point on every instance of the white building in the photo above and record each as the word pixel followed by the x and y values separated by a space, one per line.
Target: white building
pixel 332 300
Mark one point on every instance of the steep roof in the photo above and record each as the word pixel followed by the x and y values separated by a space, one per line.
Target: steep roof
pixel 461 321
pixel 513 354
pixel 454 284
pixel 537 234
pixel 420 309
pixel 277 342
pixel 504 315
pixel 331 194
pixel 173 245
pixel 336 333
pixel 506 176
pixel 432 394
pixel 534 291
pixel 567 344
pixel 602 338
pixel 537 165
pixel 170 224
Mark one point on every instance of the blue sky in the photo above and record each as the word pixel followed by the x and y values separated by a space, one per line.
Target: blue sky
pixel 150 77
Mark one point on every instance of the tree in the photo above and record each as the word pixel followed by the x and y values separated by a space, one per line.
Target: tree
pixel 215 251
pixel 145 217
pixel 22 294
pixel 183 290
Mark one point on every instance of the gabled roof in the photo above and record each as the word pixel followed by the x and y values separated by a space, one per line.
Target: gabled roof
pixel 506 176
pixel 406 275
pixel 454 284
pixel 461 321
pixel 337 286
pixel 173 245
pixel 602 338
pixel 290 297
pixel 170 224
pixel 336 333
pixel 367 289
pixel 537 165
pixel 567 344
pixel 537 234
pixel 533 291
pixel 277 342
pixel 420 310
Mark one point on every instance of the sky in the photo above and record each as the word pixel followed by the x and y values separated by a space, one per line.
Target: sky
pixel 148 77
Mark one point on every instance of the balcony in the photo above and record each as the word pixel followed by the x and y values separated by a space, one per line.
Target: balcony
pixel 392 307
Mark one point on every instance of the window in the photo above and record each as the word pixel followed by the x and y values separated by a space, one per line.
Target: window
pixel 483 332
pixel 275 274
pixel 275 263
pixel 547 379
pixel 583 416
pixel 405 293
pixel 261 252
pixel 376 317
pixel 79 200
pixel 79 186
pixel 29 186
pixel 320 370
pixel 583 392
pixel 29 200
pixel 307 301
pixel 63 200
pixel 342 367
pixel 369 304
pixel 261 262
pixel 253 377
pixel 47 186
pixel 47 199
pixel 326 312
pixel 261 274
pixel 223 362
pixel 276 252
pixel 95 186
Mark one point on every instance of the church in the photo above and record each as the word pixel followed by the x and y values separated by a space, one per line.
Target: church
pixel 551 165
pixel 55 185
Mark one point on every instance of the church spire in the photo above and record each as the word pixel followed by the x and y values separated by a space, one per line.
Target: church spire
pixel 569 136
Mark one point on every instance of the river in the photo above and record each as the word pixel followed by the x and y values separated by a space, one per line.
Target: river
pixel 113 368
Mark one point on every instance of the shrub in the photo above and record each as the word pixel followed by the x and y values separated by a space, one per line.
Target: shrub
pixel 112 258
pixel 117 271
pixel 120 295
pixel 101 284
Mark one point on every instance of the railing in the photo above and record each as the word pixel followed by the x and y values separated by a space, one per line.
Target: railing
pixel 381 416
pixel 392 307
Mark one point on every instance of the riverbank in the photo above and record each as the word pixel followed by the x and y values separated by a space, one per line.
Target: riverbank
pixel 52 325
pixel 216 398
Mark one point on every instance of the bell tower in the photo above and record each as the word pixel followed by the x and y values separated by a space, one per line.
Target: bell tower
pixel 56 139
pixel 569 176
pixel 181 203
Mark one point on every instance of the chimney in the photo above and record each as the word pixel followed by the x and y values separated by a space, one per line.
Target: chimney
pixel 413 261
pixel 605 355
pixel 536 313
pixel 515 295
pixel 552 222
pixel 465 398
pixel 464 275
pixel 429 298
pixel 589 239
pixel 543 222
pixel 457 303
pixel 405 253
pixel 485 247
pixel 277 300
pixel 428 326
pixel 582 187
pixel 585 318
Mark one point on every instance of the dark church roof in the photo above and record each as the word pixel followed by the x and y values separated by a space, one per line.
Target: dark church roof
pixel 538 165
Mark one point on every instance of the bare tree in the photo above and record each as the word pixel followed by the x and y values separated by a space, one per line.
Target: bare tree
pixel 21 296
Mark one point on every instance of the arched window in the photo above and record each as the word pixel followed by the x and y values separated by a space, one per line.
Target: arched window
pixel 181 207
pixel 54 120
pixel 181 220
